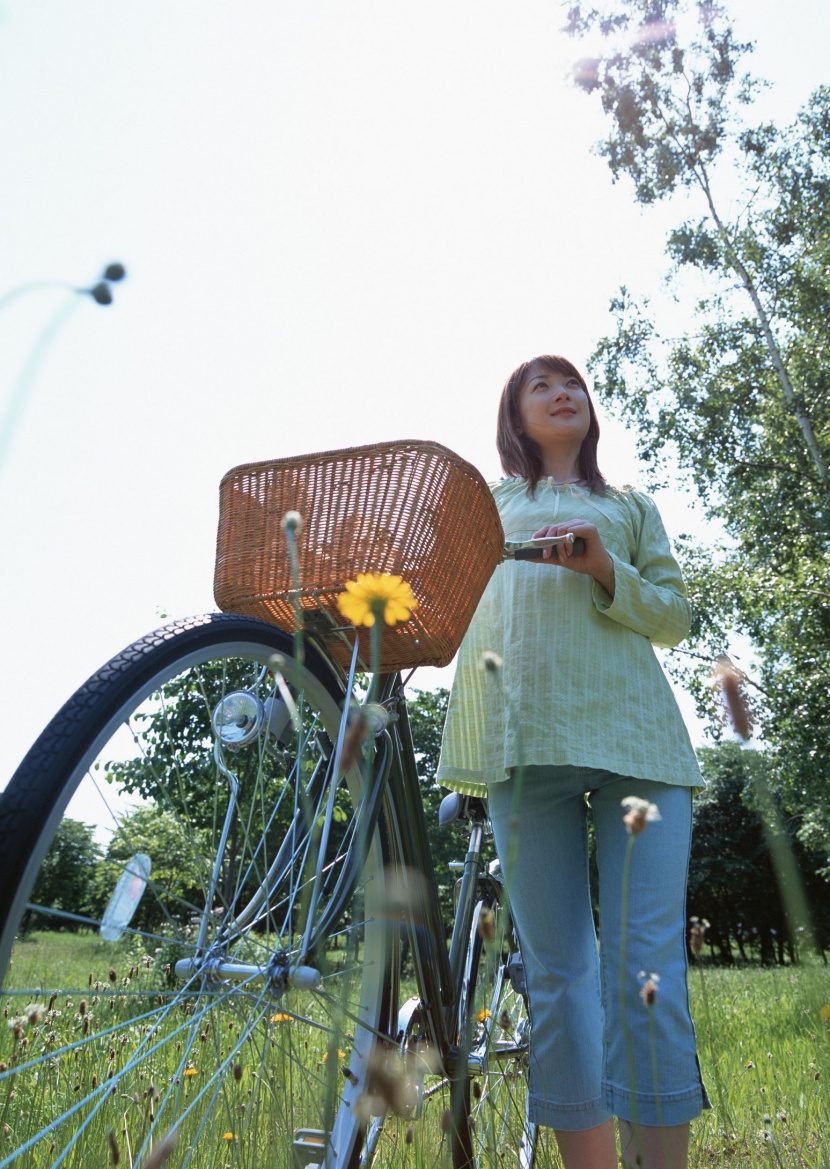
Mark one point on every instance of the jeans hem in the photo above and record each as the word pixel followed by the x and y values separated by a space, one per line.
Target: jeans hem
pixel 656 1111
pixel 567 1117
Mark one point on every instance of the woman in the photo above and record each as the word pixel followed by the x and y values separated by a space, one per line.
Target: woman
pixel 582 719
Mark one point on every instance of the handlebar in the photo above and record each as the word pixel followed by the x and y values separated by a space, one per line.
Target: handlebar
pixel 533 549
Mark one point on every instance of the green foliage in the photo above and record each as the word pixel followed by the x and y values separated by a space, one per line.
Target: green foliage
pixel 427 712
pixel 669 102
pixel 763 1036
pixel 66 880
pixel 740 399
pixel 733 881
pixel 174 772
pixel 178 867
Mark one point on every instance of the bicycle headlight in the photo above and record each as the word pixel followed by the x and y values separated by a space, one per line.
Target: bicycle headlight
pixel 237 719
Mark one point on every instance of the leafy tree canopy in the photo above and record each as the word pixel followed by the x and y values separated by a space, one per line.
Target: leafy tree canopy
pixel 427 712
pixel 179 871
pixel 734 880
pixel 66 880
pixel 739 400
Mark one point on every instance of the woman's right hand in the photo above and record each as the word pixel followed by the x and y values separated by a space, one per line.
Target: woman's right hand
pixel 594 560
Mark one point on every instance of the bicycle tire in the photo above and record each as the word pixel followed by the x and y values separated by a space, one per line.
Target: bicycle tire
pixel 206 1068
pixel 491 1128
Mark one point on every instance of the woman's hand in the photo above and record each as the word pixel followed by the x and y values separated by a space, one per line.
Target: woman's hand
pixel 593 561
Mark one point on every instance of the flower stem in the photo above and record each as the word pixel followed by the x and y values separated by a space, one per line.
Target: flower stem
pixel 294 562
pixel 374 651
pixel 629 1047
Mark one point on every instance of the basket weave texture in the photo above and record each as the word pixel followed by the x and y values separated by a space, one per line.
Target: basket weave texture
pixel 413 509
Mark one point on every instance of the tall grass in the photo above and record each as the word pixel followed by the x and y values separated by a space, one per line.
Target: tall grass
pixel 764 1050
pixel 766 1044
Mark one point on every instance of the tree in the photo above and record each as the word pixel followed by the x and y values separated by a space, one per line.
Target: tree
pixel 733 881
pixel 427 713
pixel 179 867
pixel 174 770
pixel 66 880
pixel 740 399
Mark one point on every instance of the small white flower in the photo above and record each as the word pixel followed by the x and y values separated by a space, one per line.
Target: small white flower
pixel 639 815
pixel 490 661
pixel 292 521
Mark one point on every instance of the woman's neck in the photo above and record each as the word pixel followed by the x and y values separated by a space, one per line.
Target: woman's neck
pixel 562 469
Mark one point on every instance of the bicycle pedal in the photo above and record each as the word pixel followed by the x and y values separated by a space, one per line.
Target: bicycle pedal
pixel 516 974
pixel 309 1147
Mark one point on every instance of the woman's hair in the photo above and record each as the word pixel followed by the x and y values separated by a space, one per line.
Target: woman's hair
pixel 520 456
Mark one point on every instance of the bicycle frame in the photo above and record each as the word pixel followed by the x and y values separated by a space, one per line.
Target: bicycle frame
pixel 439 971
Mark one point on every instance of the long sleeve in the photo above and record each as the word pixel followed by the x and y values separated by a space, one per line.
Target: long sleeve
pixel 579 683
pixel 650 596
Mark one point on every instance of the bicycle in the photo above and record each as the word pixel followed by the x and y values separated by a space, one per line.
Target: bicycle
pixel 260 1019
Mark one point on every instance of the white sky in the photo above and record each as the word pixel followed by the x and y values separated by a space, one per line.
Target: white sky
pixel 342 223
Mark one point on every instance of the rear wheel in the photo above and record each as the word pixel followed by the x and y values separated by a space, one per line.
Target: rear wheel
pixel 492 1128
pixel 235 1013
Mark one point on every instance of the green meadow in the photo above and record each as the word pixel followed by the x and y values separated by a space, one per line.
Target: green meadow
pixel 764 1050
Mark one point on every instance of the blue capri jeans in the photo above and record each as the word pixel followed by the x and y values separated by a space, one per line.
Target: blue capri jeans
pixel 592 1058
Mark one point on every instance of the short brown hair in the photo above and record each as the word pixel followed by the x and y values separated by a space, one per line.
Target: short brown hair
pixel 520 456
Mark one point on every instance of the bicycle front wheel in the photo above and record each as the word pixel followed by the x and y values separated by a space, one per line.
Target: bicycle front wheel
pixel 492 1129
pixel 203 974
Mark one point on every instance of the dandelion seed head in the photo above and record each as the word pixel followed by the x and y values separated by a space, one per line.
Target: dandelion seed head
pixel 648 991
pixel 16 1025
pixel 697 933
pixel 292 521
pixel 490 661
pixel 161 1152
pixel 732 683
pixel 367 1106
pixel 640 814
pixel 487 923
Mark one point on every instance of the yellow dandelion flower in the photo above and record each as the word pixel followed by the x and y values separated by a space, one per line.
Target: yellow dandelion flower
pixel 340 1055
pixel 191 1072
pixel 376 594
pixel 825 1012
pixel 483 1016
pixel 228 1136
pixel 280 1018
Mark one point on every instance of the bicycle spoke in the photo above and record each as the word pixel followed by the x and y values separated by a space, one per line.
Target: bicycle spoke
pixel 202 1019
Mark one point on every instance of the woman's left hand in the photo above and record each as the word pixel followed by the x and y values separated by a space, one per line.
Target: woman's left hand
pixel 593 561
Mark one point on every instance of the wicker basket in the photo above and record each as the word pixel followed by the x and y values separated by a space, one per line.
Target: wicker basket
pixel 410 508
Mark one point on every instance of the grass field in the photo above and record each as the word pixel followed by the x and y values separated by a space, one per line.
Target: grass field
pixel 764 1050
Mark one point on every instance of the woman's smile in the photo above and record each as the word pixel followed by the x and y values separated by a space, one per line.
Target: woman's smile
pixel 553 407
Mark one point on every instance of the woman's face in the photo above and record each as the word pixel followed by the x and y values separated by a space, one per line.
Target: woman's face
pixel 553 408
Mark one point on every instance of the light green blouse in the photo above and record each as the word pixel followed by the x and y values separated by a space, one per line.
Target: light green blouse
pixel 579 682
